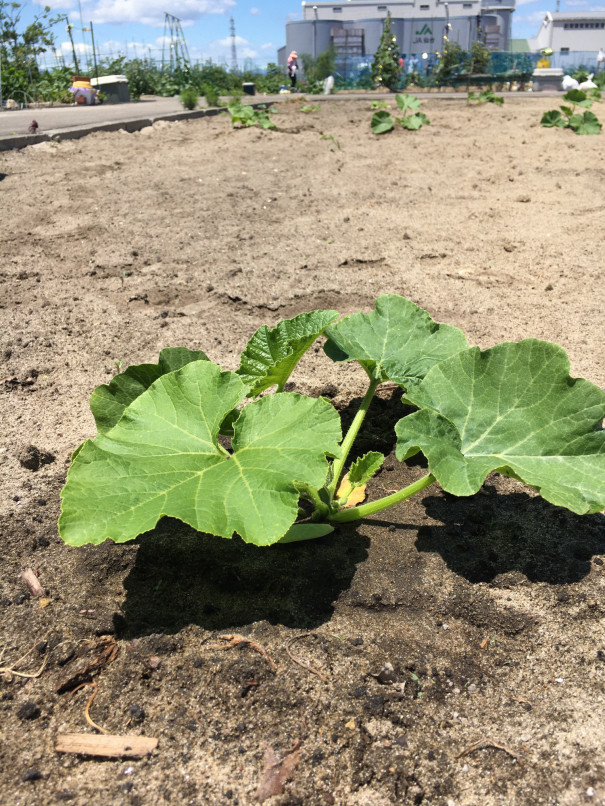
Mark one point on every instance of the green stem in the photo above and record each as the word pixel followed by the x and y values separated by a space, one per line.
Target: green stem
pixel 321 509
pixel 349 439
pixel 353 514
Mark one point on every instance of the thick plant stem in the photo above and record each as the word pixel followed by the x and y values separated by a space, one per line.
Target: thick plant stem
pixel 353 514
pixel 349 439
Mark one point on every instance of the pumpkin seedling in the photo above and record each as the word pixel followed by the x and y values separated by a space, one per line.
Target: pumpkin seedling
pixel 275 473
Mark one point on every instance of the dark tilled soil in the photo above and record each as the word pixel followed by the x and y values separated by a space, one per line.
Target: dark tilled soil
pixel 449 653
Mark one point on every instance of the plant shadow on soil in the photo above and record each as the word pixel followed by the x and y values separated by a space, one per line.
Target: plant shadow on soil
pixel 182 577
pixel 504 539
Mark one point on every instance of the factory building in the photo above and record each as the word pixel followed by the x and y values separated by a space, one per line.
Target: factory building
pixel 354 27
pixel 566 33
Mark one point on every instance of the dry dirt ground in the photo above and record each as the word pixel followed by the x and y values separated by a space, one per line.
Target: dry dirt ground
pixel 459 642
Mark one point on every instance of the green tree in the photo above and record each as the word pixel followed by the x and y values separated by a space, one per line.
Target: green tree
pixel 386 70
pixel 19 47
pixel 450 62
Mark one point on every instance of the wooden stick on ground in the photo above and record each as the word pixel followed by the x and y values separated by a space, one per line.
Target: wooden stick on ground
pixel 108 746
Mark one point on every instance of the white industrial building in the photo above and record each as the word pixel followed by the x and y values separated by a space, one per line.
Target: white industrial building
pixel 566 33
pixel 354 27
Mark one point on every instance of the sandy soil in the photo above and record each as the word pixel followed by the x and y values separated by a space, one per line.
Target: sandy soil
pixel 450 622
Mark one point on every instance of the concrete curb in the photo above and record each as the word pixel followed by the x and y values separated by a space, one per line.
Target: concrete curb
pixel 23 140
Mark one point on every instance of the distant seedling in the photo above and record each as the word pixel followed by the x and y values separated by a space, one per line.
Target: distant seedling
pixel 411 118
pixel 485 97
pixel 249 116
pixel 569 118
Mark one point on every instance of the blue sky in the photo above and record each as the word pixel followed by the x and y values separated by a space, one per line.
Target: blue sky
pixel 136 27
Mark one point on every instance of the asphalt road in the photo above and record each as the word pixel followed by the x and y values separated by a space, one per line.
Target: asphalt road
pixel 57 118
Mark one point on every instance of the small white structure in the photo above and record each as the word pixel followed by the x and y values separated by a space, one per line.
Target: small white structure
pixel 547 78
pixel 563 32
pixel 115 87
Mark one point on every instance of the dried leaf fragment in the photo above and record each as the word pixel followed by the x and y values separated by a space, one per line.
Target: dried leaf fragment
pixel 276 773
pixel 357 495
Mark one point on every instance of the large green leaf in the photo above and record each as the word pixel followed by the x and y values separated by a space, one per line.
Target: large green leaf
pixel 578 97
pixel 589 124
pixel 553 118
pixel 381 122
pixel 512 409
pixel 271 355
pixel 163 458
pixel 108 401
pixel 398 341
pixel 412 122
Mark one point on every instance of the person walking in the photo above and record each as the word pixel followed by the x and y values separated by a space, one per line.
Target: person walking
pixel 292 69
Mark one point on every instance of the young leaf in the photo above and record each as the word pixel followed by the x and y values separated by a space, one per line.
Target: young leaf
pixel 553 118
pixel 271 355
pixel 364 468
pixel 575 97
pixel 512 409
pixel 398 341
pixel 411 122
pixel 108 401
pixel 381 122
pixel 163 458
pixel 590 124
pixel 405 101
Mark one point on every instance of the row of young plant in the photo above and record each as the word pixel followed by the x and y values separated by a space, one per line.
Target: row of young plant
pixel 580 122
pixel 183 438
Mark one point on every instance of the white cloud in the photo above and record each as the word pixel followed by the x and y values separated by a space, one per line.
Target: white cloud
pixel 524 3
pixel 220 50
pixel 535 18
pixel 146 12
pixel 268 46
pixel 255 11
pixel 65 50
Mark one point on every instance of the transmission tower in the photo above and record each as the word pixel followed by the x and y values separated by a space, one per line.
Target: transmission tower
pixel 174 40
pixel 233 49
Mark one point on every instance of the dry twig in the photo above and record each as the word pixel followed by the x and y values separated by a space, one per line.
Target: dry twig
pixel 11 669
pixel 303 663
pixel 483 743
pixel 236 640
pixel 87 716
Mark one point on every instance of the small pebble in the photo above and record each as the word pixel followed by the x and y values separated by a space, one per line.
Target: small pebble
pixel 590 793
pixel 29 710
pixel 137 714
pixel 32 775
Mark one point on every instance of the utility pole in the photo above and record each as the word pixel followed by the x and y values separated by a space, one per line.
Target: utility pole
pixel 73 49
pixel 233 48
pixel 94 51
